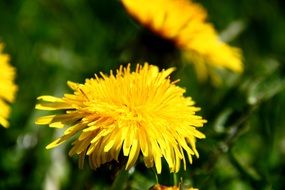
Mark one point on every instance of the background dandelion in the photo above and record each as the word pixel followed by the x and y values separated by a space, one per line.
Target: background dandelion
pixel 51 42
pixel 184 24
pixel 7 87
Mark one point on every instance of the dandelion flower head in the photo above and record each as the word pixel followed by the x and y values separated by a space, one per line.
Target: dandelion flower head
pixel 184 22
pixel 136 113
pixel 162 187
pixel 7 87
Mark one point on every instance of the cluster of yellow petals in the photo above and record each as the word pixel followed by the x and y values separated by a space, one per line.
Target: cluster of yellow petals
pixel 162 187
pixel 7 87
pixel 184 22
pixel 137 112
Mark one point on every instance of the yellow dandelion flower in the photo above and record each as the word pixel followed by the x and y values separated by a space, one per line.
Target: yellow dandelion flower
pixel 140 112
pixel 162 187
pixel 184 22
pixel 7 87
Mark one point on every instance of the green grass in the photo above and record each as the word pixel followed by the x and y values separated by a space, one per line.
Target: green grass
pixel 51 42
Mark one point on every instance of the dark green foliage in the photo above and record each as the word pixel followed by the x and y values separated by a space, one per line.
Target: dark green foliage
pixel 53 41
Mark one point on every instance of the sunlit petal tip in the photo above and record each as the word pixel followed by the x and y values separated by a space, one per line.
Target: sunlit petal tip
pixel 55 143
pixel 72 85
pixel 49 99
pixel 43 120
pixel 57 125
pixel 4 123
pixel 50 146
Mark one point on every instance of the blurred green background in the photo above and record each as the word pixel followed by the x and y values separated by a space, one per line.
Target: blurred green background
pixel 53 41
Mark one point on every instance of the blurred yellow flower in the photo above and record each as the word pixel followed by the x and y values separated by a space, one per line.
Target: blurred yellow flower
pixel 133 112
pixel 162 187
pixel 7 87
pixel 184 22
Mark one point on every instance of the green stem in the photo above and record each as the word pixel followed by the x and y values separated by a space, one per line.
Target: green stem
pixel 155 174
pixel 120 181
pixel 175 181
